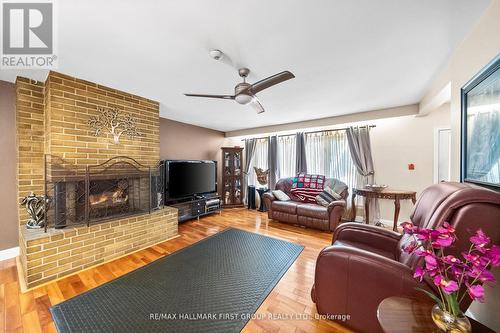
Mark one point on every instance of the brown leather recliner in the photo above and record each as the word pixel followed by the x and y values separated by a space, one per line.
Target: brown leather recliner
pixel 367 264
pixel 307 214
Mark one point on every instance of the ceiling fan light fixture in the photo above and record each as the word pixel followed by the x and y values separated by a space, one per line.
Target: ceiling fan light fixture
pixel 244 92
pixel 243 99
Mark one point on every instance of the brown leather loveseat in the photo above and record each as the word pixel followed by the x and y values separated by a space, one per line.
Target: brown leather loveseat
pixel 366 264
pixel 307 214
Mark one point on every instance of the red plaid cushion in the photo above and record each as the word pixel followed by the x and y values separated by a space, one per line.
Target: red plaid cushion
pixel 306 187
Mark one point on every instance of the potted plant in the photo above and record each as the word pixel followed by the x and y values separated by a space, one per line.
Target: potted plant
pixel 455 278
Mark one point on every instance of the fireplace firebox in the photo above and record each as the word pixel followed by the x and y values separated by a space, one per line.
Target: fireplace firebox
pixel 116 188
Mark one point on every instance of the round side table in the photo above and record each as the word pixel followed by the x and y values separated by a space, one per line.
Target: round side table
pixel 410 315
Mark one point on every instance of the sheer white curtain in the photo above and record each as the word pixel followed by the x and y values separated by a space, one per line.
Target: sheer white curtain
pixel 259 160
pixel 327 153
pixel 286 156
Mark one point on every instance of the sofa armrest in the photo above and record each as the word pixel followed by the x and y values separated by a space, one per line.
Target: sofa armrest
pixel 342 203
pixel 269 196
pixel 367 234
pixel 335 211
pixel 354 282
pixel 268 201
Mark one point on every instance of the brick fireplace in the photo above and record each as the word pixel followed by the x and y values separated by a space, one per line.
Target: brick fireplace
pixel 104 196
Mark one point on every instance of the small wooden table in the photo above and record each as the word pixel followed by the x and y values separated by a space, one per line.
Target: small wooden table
pixel 410 315
pixel 386 193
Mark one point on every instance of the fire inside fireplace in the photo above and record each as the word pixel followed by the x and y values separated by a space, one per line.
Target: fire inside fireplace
pixel 117 188
pixel 109 195
pixel 113 194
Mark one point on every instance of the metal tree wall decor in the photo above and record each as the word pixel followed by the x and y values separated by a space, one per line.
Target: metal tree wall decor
pixel 115 123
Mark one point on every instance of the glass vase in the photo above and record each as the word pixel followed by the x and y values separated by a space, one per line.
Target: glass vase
pixel 449 323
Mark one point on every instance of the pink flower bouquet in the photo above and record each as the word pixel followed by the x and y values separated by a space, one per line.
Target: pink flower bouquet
pixel 455 277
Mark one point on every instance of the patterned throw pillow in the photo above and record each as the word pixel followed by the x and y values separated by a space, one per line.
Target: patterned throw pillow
pixel 280 195
pixel 306 187
pixel 327 196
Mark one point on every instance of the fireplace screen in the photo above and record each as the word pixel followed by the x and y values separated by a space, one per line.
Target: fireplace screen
pixel 117 188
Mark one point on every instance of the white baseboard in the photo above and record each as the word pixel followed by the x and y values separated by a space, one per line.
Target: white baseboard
pixel 9 253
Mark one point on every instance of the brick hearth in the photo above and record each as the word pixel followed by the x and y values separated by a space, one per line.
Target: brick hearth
pixel 60 252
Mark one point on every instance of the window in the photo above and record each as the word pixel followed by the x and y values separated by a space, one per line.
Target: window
pixel 327 153
pixel 286 156
pixel 259 160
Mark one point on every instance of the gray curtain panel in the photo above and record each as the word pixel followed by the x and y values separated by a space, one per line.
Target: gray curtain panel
pixel 250 145
pixel 300 165
pixel 272 159
pixel 361 154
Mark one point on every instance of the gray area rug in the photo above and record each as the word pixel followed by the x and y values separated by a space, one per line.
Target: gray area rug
pixel 214 285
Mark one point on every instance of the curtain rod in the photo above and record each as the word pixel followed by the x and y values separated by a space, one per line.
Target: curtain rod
pixel 320 131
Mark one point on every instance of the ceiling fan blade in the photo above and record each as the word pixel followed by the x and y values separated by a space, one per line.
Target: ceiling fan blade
pixel 270 81
pixel 211 96
pixel 257 106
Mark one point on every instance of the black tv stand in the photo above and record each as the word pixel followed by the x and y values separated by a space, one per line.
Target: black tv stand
pixel 196 206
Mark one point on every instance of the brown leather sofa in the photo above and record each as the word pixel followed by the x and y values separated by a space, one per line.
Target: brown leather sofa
pixel 367 264
pixel 307 214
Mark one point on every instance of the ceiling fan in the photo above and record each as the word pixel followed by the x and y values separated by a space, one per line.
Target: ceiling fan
pixel 244 93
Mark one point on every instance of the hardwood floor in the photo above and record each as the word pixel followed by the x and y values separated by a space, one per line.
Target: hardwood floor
pixel 29 312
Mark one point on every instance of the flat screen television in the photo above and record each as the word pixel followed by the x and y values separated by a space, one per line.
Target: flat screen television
pixel 189 178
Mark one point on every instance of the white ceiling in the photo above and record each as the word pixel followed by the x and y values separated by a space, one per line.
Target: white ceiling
pixel 348 55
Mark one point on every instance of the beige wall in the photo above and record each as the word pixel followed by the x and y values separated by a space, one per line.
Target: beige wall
pixel 475 52
pixel 8 204
pixel 396 142
pixel 328 122
pixel 180 141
